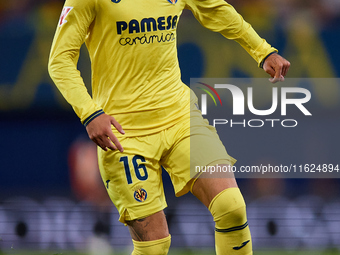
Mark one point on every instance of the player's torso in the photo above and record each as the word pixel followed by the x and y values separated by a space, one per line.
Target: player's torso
pixel 134 41
pixel 134 26
pixel 132 44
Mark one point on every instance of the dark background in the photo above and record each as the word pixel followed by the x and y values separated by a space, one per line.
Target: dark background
pixel 39 130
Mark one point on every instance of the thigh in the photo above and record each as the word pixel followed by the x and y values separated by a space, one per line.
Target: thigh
pixel 133 178
pixel 206 147
pixel 195 145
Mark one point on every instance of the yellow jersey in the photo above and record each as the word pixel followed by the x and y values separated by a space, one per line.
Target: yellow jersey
pixel 132 46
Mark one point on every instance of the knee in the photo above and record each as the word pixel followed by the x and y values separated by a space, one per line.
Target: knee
pixel 232 233
pixel 228 209
pixel 155 247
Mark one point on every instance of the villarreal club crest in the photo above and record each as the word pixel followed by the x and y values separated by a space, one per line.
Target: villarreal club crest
pixel 172 1
pixel 140 194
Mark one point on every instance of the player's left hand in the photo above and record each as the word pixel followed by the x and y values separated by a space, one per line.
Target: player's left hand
pixel 277 67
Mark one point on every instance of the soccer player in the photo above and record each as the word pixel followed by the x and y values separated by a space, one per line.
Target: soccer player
pixel 136 85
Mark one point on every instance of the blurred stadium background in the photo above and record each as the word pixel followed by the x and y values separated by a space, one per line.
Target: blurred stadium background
pixel 51 197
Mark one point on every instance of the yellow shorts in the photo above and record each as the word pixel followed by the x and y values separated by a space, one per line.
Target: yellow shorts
pixel 133 178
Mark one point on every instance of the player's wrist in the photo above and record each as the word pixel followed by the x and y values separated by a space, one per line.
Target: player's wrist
pixel 262 62
pixel 92 117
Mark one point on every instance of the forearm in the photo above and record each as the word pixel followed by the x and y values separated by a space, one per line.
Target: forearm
pixel 66 77
pixel 257 47
pixel 219 16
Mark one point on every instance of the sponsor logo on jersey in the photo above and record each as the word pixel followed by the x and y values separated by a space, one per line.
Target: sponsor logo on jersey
pixel 166 24
pixel 66 10
pixel 140 195
pixel 147 25
pixel 172 1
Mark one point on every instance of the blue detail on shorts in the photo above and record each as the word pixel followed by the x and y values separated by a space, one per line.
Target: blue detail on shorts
pixel 137 167
pixel 115 1
pixel 107 183
pixel 140 195
pixel 126 168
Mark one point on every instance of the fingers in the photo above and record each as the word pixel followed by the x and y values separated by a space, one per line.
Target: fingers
pixel 273 74
pixel 115 144
pixel 277 67
pixel 285 67
pixel 107 141
pixel 117 126
pixel 275 79
pixel 269 70
pixel 100 132
pixel 113 139
pixel 278 71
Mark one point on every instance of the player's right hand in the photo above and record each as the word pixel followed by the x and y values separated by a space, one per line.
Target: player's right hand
pixel 100 132
pixel 277 67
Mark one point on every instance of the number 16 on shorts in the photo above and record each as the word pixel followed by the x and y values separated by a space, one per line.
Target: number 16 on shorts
pixel 139 168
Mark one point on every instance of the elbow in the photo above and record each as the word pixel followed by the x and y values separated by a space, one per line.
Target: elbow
pixel 51 67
